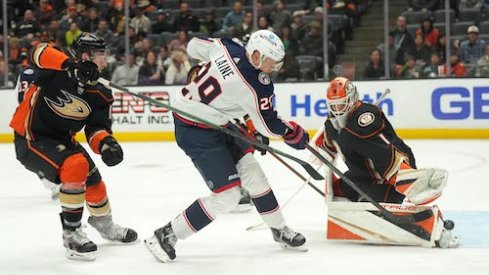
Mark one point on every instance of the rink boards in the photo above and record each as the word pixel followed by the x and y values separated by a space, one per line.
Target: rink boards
pixel 438 108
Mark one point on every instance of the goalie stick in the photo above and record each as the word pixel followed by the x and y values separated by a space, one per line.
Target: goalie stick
pixel 310 170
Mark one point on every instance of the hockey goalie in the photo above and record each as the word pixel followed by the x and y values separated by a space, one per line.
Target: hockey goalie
pixel 384 169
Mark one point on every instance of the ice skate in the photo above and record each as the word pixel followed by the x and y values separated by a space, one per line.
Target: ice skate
pixel 112 231
pixel 78 246
pixel 162 244
pixel 289 239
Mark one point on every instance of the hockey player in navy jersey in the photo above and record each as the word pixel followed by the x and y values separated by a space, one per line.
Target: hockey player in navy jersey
pixel 234 82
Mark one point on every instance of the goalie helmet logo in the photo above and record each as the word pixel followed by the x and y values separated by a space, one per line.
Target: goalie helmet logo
pixel 366 119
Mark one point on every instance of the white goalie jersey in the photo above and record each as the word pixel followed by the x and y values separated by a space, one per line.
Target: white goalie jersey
pixel 228 86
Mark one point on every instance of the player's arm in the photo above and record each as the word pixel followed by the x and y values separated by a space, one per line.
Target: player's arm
pixel 199 48
pixel 98 128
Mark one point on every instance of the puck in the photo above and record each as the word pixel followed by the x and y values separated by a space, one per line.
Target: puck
pixel 448 224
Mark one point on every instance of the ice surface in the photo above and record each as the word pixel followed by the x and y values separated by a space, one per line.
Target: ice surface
pixel 156 181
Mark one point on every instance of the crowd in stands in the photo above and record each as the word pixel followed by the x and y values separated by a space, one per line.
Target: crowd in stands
pixel 159 31
pixel 417 45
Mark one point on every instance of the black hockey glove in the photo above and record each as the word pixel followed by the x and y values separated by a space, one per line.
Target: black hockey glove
pixel 111 151
pixel 83 70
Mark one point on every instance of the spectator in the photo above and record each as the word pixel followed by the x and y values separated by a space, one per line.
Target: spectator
pixel 245 27
pixel 45 13
pixel 421 52
pixel 410 69
pixel 423 5
pixel 260 9
pixel 142 48
pixel 163 59
pixel 179 67
pixel 435 68
pixel 472 49
pixel 290 69
pixel 72 33
pixel 299 29
pixel 233 17
pixel 280 16
pixel 291 45
pixel 150 73
pixel 70 17
pixel 180 43
pixel 117 19
pixel 90 23
pixel 104 32
pixel 126 76
pixel 482 68
pixel 209 25
pixel 457 67
pixel 185 21
pixel 29 27
pixel 121 48
pixel 394 57
pixel 141 22
pixel 263 24
pixel 403 41
pixel 429 33
pixel 3 67
pixel 375 68
pixel 56 35
pixel 14 52
pixel 467 4
pixel 312 43
pixel 161 25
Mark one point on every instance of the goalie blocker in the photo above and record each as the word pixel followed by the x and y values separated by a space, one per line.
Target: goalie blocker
pixel 360 222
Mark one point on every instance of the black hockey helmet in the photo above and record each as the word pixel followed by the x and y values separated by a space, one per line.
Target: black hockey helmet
pixel 88 43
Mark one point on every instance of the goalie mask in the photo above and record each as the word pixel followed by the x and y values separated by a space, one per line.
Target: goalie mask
pixel 341 97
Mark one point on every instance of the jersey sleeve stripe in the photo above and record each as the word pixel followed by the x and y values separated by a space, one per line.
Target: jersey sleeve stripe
pixel 206 41
pixel 37 53
pixel 257 107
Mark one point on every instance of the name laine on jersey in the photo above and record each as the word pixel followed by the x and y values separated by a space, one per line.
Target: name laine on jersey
pixel 223 66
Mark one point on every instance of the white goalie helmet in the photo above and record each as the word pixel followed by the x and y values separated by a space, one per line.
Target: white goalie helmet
pixel 342 96
pixel 268 44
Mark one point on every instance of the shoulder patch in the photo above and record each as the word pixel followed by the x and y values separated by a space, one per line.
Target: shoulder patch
pixel 366 119
pixel 28 71
pixel 264 78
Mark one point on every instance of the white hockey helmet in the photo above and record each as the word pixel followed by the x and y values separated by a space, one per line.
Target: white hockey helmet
pixel 268 44
pixel 342 96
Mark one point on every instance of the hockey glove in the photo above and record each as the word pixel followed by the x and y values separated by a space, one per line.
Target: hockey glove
pixel 296 137
pixel 252 134
pixel 83 70
pixel 111 151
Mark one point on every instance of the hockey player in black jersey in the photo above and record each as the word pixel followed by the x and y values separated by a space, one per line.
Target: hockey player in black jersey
pixel 379 162
pixel 64 98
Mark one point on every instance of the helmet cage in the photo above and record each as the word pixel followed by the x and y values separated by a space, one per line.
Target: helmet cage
pixel 342 105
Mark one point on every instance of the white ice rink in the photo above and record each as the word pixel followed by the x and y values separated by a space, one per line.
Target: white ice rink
pixel 156 181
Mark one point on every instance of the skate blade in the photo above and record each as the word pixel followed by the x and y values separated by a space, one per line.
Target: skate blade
pixel 154 248
pixel 301 248
pixel 77 256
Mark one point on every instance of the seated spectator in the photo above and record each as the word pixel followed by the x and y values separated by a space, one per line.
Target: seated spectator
pixel 121 47
pixel 290 69
pixel 428 32
pixel 14 52
pixel 90 23
pixel 56 35
pixel 185 20
pixel 299 29
pixel 423 5
pixel 291 45
pixel 312 43
pixel 209 25
pixel 457 67
pixel 163 59
pixel 72 33
pixel 180 43
pixel 126 76
pixel 410 69
pixel 70 17
pixel 260 9
pixel 403 41
pixel 482 68
pixel 280 16
pixel 150 74
pixel 233 17
pixel 375 69
pixel 435 68
pixel 161 24
pixel 104 32
pixel 421 52
pixel 394 57
pixel 263 24
pixel 178 70
pixel 142 48
pixel 472 49
pixel 245 27
pixel 28 27
pixel 45 13
pixel 140 22
pixel 468 4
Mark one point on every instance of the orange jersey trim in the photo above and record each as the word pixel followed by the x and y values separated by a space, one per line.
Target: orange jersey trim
pixel 47 57
pixel 20 120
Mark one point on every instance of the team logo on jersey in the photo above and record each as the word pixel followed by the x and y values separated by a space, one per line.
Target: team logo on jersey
pixel 264 78
pixel 366 119
pixel 70 107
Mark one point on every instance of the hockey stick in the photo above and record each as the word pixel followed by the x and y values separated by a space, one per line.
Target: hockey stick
pixel 257 226
pixel 382 96
pixel 407 222
pixel 314 174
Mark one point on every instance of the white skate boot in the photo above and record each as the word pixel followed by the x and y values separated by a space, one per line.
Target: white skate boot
pixel 112 231
pixel 162 244
pixel 78 246
pixel 289 239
